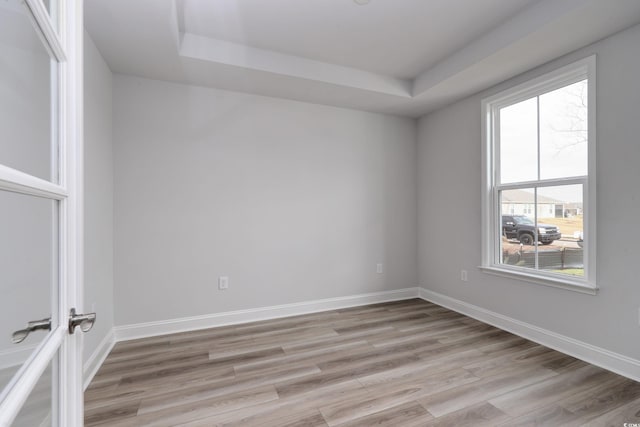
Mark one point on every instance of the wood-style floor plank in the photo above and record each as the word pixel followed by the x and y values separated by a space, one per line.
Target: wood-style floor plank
pixel 403 364
pixel 480 414
pixel 407 415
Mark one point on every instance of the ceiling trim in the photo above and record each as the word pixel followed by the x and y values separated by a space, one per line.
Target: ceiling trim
pixel 151 44
pixel 530 21
pixel 238 55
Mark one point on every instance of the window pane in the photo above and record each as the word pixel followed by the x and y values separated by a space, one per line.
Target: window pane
pixel 52 6
pixel 560 210
pixel 517 227
pixel 552 244
pixel 25 95
pixel 519 142
pixel 563 132
pixel 28 274
pixel 37 410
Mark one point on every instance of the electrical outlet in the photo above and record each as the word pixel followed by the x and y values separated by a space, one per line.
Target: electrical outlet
pixel 463 275
pixel 378 268
pixel 223 283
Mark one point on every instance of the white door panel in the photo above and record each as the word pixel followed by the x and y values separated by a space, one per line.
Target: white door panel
pixel 40 211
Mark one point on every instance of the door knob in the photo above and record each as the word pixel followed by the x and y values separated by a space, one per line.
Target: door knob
pixel 34 325
pixel 85 321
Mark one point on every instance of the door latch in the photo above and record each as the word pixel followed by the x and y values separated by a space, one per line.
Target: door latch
pixel 85 321
pixel 34 325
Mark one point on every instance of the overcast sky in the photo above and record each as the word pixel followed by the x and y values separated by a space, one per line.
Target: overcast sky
pixel 563 145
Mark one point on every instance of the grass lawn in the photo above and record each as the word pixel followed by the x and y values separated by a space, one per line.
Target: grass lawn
pixel 571 271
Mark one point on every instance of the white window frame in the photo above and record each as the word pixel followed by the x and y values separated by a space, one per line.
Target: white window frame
pixel 491 224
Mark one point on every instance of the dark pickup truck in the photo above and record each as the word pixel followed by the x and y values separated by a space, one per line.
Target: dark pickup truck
pixel 522 228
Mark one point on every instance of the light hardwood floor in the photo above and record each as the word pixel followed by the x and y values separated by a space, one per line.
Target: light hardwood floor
pixel 407 363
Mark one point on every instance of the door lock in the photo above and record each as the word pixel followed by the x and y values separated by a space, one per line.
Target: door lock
pixel 34 325
pixel 85 321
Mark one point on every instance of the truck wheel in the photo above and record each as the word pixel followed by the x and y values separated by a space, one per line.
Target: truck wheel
pixel 526 239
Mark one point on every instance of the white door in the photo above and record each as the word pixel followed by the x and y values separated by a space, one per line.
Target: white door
pixel 40 212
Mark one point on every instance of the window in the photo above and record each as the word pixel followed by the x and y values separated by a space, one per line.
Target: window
pixel 539 179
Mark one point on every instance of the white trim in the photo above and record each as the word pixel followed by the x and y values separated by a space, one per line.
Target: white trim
pixel 563 76
pixel 589 226
pixel 540 277
pixel 20 182
pixel 217 51
pixel 543 183
pixel 70 392
pixel 171 326
pixel 42 24
pixel 598 356
pixel 97 358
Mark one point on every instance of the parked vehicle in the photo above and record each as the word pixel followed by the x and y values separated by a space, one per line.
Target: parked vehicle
pixel 523 229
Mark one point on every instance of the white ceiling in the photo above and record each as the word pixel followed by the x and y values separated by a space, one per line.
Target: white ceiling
pixel 398 38
pixel 403 57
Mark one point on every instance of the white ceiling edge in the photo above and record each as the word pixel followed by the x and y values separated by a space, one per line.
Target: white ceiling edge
pixel 538 34
pixel 480 65
pixel 239 55
pixel 545 31
pixel 531 21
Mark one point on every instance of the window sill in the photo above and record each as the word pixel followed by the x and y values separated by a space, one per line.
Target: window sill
pixel 568 284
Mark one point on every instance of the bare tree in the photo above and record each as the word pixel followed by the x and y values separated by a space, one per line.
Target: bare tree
pixel 576 114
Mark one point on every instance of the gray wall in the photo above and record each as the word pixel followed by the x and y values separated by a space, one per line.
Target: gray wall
pixel 292 201
pixel 98 195
pixel 449 152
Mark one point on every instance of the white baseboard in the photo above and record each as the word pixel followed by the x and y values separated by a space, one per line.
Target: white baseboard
pixel 96 359
pixel 606 359
pixel 163 327
pixel 601 357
